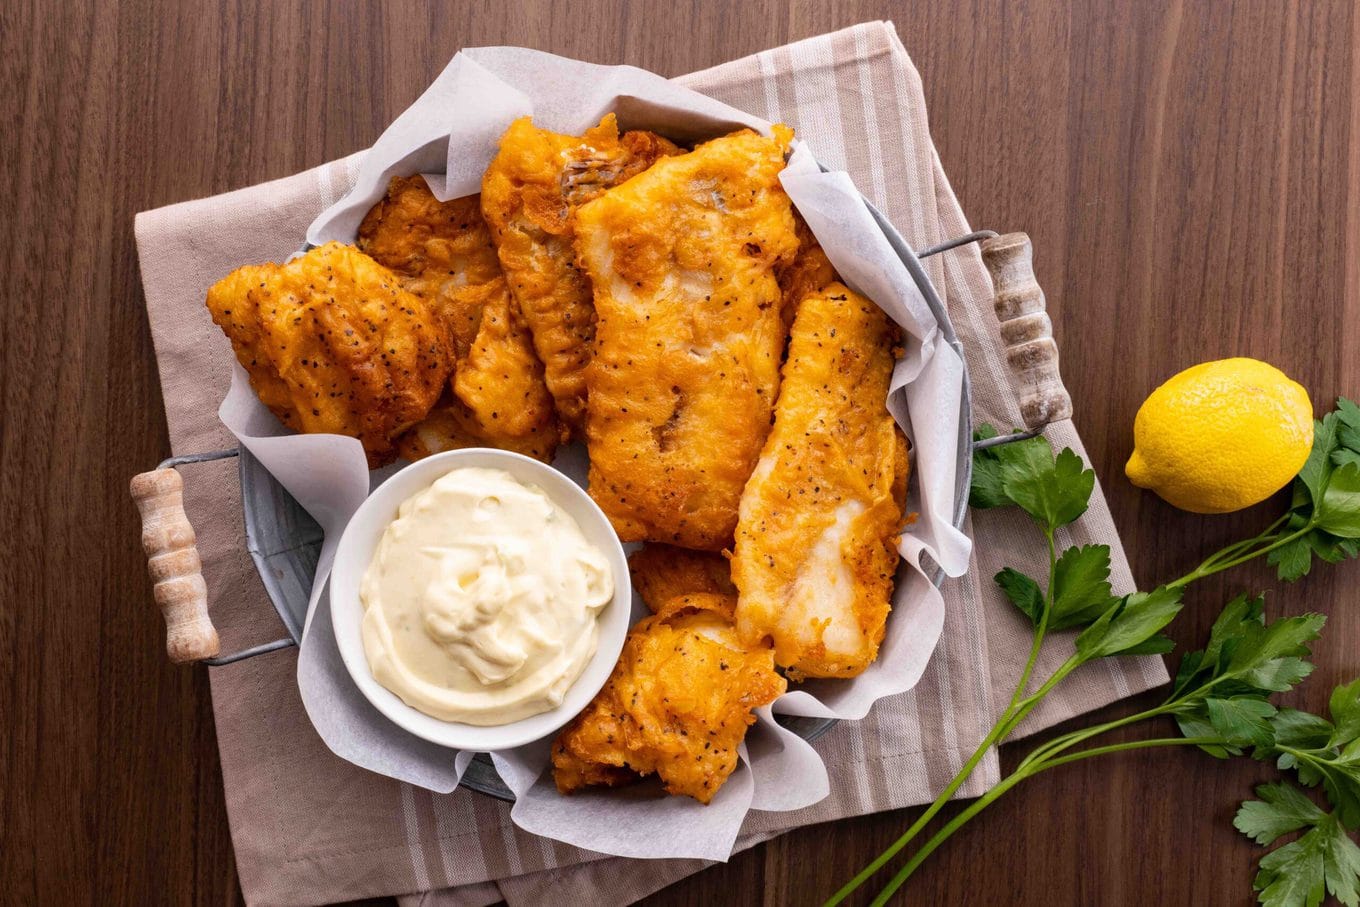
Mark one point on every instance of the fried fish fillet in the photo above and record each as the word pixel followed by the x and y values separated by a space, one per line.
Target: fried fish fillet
pixel 437 247
pixel 816 545
pixel 334 343
pixel 809 271
pixel 497 396
pixel 528 193
pixel 677 705
pixel 443 252
pixel 663 572
pixel 683 259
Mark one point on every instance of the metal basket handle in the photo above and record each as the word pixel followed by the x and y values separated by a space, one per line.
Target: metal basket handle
pixel 176 570
pixel 1026 330
pixel 172 558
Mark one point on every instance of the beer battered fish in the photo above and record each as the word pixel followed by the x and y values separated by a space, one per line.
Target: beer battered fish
pixel 809 271
pixel 663 572
pixel 443 253
pixel 497 397
pixel 333 343
pixel 529 191
pixel 816 545
pixel 677 705
pixel 683 259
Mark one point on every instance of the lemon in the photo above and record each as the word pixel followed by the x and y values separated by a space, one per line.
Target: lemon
pixel 1221 436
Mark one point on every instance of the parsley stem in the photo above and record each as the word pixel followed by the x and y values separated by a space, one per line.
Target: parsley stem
pixel 1015 711
pixel 1027 705
pixel 1230 551
pixel 1243 551
pixel 1069 740
pixel 1046 751
pixel 942 835
pixel 1312 756
pixel 1040 631
pixel 1124 747
pixel 963 774
pixel 1020 774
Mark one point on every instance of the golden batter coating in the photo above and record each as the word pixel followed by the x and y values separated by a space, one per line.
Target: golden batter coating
pixel 809 271
pixel 438 248
pixel 443 252
pixel 663 572
pixel 677 705
pixel 529 191
pixel 683 259
pixel 816 546
pixel 333 343
pixel 497 397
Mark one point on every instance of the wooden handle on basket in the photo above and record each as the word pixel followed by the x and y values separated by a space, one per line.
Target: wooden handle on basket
pixel 1026 330
pixel 172 559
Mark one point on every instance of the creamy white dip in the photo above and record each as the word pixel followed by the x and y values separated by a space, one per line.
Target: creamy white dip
pixel 481 601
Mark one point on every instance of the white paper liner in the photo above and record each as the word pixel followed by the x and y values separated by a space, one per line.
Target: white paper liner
pixel 455 127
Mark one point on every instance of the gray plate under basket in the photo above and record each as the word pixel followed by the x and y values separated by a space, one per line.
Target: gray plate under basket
pixel 284 540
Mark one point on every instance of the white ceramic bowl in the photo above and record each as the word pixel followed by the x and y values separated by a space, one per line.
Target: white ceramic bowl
pixel 356 549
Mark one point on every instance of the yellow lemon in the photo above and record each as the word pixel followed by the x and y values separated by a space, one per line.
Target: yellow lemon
pixel 1221 436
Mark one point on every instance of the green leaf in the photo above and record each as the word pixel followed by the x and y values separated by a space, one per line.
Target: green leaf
pixel 1301 730
pixel 1023 592
pixel 1293 875
pixel 1222 690
pixel 1081 586
pixel 1241 721
pixel 1138 618
pixel 1156 645
pixel 1282 808
pixel 1348 427
pixel 1052 491
pixel 1300 502
pixel 1339 512
pixel 1317 469
pixel 1341 866
pixel 1258 645
pixel 1278 674
pixel 991 464
pixel 985 491
pixel 1229 627
pixel 1231 624
pixel 1196 724
pixel 1324 752
pixel 1344 707
pixel 1342 456
pixel 1323 859
pixel 1188 670
pixel 1292 560
pixel 1327 546
pixel 1341 781
pixel 1307 768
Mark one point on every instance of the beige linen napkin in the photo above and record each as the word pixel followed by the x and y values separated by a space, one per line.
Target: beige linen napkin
pixel 310 828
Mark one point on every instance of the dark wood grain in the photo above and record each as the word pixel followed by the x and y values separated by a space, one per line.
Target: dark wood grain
pixel 1190 174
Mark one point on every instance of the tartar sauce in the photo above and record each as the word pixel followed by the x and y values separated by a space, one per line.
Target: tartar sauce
pixel 481 601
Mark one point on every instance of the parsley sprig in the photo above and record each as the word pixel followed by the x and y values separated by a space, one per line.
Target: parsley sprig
pixel 1324 857
pixel 1323 519
pixel 1320 751
pixel 1220 698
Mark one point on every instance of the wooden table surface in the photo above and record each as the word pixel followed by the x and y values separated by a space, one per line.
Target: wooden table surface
pixel 1190 174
